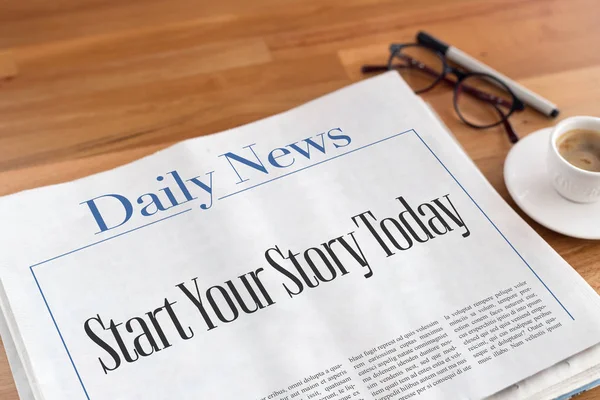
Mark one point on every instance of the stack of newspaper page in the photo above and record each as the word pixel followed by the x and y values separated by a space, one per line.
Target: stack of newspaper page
pixel 347 249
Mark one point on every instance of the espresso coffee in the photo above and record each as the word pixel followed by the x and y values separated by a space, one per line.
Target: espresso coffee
pixel 581 148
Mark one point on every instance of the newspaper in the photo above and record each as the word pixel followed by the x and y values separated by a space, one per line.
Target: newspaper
pixel 346 249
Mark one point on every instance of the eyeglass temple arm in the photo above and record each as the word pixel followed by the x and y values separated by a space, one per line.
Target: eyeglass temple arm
pixel 483 96
pixel 512 136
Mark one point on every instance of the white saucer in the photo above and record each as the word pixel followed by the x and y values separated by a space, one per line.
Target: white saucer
pixel 528 184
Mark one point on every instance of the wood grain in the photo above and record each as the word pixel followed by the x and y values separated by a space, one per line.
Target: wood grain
pixel 8 65
pixel 104 82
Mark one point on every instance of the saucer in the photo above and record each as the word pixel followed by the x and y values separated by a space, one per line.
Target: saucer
pixel 528 184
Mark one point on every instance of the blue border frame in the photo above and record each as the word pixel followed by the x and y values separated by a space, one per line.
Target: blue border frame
pixel 260 184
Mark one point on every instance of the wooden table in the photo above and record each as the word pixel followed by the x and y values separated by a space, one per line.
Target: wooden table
pixel 103 82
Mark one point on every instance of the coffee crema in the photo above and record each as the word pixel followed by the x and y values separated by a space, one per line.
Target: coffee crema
pixel 581 148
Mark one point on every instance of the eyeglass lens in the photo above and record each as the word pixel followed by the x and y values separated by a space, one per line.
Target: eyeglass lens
pixel 480 101
pixel 419 67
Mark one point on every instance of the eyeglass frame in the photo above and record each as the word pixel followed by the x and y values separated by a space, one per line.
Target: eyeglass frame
pixel 516 105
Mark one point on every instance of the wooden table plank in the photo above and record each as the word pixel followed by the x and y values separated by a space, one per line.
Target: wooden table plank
pixel 103 82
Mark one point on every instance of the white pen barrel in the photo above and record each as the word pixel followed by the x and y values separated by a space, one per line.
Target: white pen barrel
pixel 525 95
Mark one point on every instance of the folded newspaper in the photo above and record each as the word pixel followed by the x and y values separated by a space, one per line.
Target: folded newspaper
pixel 347 249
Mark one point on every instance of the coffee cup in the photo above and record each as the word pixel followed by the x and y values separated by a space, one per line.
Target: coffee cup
pixel 572 182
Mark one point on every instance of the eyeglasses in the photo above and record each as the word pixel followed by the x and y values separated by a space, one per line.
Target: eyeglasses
pixel 480 100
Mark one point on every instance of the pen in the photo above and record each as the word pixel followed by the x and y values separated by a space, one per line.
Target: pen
pixel 528 97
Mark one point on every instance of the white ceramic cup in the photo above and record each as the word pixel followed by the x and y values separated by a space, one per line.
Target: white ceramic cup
pixel 571 182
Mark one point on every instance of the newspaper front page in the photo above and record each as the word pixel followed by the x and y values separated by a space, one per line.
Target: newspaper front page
pixel 346 250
